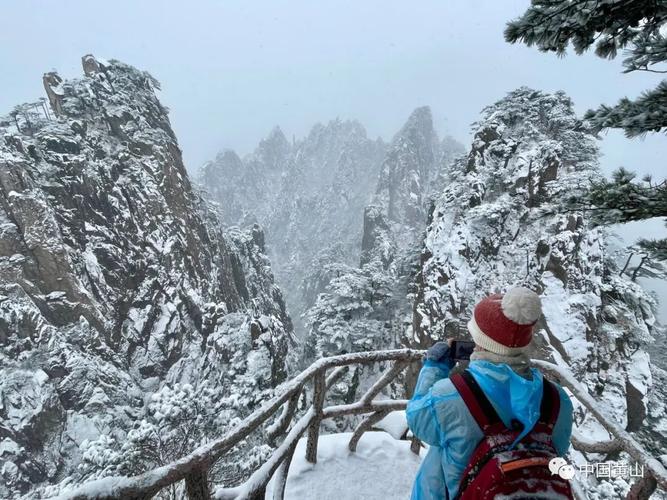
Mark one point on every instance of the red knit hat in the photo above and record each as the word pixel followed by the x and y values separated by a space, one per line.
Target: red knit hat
pixel 504 324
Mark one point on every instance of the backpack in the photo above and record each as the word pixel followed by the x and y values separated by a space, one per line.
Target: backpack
pixel 521 472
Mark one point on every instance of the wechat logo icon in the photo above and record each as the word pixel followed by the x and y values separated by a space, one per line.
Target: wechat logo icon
pixel 558 465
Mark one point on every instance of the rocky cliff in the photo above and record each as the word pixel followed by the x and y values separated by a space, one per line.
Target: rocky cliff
pixel 116 282
pixel 369 306
pixel 502 220
pixel 309 196
pixel 411 173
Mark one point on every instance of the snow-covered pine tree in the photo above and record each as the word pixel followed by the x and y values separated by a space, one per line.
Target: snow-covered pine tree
pixel 612 26
pixel 351 316
pixel 622 199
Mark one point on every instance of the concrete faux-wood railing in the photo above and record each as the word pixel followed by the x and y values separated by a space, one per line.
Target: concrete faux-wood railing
pixel 193 468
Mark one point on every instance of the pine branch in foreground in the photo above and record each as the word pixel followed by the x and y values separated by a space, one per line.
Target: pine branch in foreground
pixel 624 200
pixel 647 113
pixel 610 26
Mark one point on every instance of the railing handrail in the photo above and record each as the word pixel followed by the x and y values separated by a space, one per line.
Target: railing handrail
pixel 148 483
pixel 193 467
pixel 623 440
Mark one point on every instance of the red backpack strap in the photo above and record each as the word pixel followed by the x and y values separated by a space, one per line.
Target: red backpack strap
pixel 474 398
pixel 550 405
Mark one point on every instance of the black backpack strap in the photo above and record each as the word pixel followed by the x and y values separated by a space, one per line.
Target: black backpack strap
pixel 550 405
pixel 475 400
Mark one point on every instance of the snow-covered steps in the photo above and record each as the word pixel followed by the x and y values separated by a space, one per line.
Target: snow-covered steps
pixel 381 468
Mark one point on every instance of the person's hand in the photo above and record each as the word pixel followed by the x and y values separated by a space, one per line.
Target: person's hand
pixel 439 351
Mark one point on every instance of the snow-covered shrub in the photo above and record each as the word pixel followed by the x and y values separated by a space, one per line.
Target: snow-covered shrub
pixel 176 419
pixel 350 315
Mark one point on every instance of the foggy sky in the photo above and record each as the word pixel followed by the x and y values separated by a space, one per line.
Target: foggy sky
pixel 231 70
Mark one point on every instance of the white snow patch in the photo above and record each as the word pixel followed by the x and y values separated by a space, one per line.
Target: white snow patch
pixel 57 295
pixel 395 424
pixel 639 371
pixel 17 257
pixel 381 468
pixel 563 312
pixel 9 446
pixel 81 427
pixel 41 377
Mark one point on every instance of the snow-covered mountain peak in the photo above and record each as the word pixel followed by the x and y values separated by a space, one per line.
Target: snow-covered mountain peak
pixel 420 122
pixel 273 150
pixel 408 177
pixel 502 220
pixel 117 283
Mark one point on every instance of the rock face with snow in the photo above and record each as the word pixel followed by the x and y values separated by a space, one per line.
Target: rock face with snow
pixel 116 281
pixel 369 306
pixel 499 223
pixel 409 169
pixel 309 196
pixel 408 178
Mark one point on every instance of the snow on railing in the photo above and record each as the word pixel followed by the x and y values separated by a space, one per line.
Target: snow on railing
pixel 193 468
pixel 657 474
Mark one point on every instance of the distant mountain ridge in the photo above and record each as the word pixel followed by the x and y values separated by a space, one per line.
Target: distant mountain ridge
pixel 310 197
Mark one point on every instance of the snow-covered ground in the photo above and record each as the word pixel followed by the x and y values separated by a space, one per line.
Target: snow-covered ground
pixel 381 468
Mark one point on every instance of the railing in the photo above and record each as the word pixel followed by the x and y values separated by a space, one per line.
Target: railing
pixel 193 469
pixel 656 474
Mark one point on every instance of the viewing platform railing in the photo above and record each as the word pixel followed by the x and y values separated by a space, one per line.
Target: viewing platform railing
pixel 194 468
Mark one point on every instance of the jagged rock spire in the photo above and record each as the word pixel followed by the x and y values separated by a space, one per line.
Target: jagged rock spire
pixel 117 282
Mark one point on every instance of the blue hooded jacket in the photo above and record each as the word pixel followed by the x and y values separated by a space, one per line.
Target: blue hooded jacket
pixel 438 416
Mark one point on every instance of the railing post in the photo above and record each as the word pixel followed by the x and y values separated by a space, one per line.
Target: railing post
pixel 364 426
pixel 319 391
pixel 196 485
pixel 415 445
pixel 281 474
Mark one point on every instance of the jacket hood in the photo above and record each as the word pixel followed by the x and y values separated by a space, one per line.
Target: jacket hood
pixel 512 395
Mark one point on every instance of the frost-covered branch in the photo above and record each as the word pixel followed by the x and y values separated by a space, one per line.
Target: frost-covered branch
pixel 611 25
pixel 635 116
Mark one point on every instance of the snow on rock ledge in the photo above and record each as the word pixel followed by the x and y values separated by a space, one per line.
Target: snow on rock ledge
pixel 500 223
pixel 117 281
